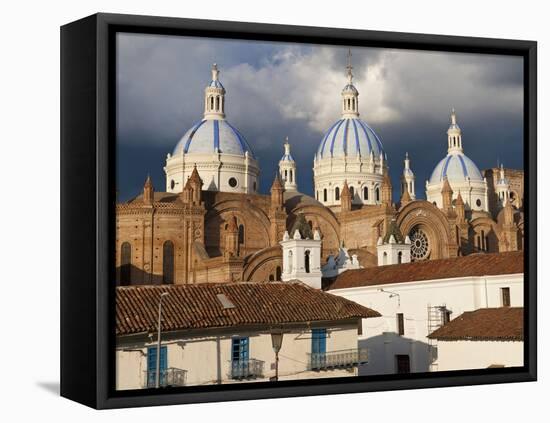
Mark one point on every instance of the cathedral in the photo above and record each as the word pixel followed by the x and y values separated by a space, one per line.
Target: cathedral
pixel 211 224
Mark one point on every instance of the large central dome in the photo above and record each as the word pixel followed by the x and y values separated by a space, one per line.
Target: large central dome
pixel 350 137
pixel 350 153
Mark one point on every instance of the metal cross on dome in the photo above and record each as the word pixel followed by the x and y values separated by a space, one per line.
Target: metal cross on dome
pixel 349 67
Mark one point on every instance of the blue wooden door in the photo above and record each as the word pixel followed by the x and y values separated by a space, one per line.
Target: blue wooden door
pixel 152 365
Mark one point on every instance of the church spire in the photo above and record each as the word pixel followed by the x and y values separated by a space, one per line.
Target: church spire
pixel 407 179
pixel 454 136
pixel 287 169
pixel 350 95
pixel 214 97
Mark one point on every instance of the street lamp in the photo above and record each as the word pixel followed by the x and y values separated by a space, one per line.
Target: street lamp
pixel 157 378
pixel 276 342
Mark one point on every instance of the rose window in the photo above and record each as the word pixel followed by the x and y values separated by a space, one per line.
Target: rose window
pixel 420 248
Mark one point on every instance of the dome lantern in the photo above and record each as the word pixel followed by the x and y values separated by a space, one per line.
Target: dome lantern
pixel 214 97
pixel 454 136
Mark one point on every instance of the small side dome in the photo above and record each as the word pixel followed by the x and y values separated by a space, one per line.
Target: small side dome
pixel 457 168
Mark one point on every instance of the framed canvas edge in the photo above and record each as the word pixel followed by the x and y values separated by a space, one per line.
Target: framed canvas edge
pixel 104 162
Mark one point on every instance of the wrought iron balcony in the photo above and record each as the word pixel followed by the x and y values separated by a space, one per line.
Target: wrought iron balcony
pixel 337 359
pixel 168 377
pixel 246 369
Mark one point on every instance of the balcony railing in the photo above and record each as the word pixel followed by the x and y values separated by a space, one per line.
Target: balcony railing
pixel 337 359
pixel 168 377
pixel 246 369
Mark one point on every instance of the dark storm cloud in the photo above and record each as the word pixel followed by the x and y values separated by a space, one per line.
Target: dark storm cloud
pixel 277 90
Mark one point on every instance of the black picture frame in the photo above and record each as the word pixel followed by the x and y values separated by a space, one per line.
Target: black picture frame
pixel 88 198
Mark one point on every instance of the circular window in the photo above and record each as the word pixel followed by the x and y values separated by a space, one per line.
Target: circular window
pixel 232 182
pixel 172 184
pixel 420 248
pixel 478 202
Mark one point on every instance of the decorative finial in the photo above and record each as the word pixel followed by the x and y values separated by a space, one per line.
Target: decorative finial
pixel 453 116
pixel 349 67
pixel 215 72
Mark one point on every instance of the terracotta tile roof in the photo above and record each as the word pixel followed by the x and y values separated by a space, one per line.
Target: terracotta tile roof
pixel 471 265
pixel 200 306
pixel 485 324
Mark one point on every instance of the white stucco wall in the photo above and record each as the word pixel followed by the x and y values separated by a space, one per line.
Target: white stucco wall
pixel 206 356
pixel 459 355
pixel 412 299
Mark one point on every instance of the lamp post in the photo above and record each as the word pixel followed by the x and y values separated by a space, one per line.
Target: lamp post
pixel 276 342
pixel 157 375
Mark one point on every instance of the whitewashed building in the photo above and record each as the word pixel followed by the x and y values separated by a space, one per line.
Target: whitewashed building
pixel 414 299
pixel 222 333
pixel 485 338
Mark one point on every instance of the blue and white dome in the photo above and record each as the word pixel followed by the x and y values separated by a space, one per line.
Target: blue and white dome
pixel 350 137
pixel 213 135
pixel 215 149
pixel 457 167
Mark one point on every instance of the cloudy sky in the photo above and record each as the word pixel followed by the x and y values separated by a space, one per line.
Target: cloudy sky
pixel 276 90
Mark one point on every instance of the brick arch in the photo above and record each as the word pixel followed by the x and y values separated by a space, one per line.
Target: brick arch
pixel 434 224
pixel 256 226
pixel 260 265
pixel 327 223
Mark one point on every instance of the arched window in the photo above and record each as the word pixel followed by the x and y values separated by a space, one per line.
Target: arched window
pixel 483 240
pixel 278 273
pixel 217 103
pixel 377 193
pixel 352 192
pixel 353 104
pixel 291 176
pixel 168 262
pixel 211 103
pixel 399 257
pixel 365 193
pixel 241 238
pixel 290 264
pixel 337 193
pixel 286 174
pixel 306 261
pixel 271 278
pixel 125 263
pixel 385 258
pixel 325 195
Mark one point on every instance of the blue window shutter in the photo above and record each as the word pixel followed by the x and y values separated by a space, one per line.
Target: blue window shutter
pixel 152 358
pixel 239 349
pixel 318 341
